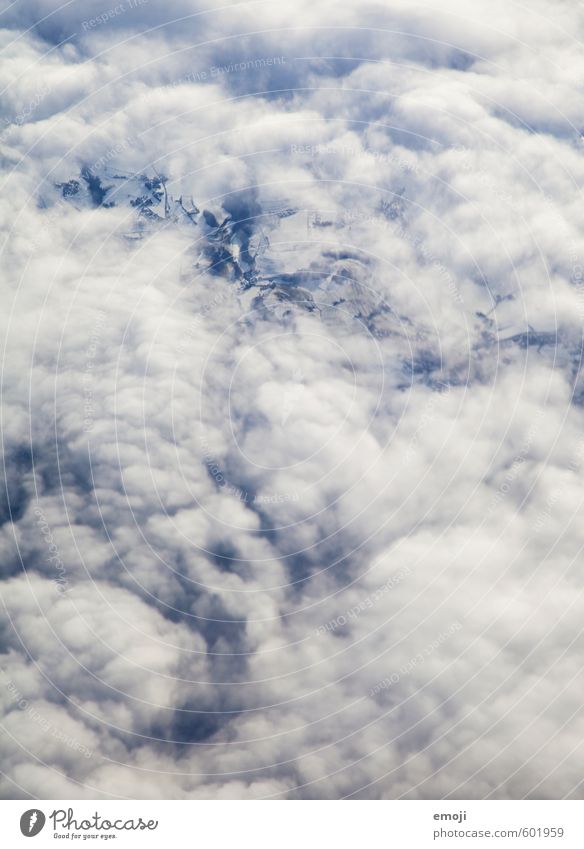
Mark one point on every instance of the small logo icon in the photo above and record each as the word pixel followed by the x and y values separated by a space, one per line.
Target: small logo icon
pixel 32 822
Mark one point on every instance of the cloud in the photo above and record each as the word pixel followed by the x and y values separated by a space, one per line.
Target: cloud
pixel 291 402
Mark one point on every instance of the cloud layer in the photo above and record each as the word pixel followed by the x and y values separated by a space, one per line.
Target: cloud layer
pixel 291 401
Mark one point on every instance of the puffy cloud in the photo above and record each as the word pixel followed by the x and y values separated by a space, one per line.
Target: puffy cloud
pixel 291 401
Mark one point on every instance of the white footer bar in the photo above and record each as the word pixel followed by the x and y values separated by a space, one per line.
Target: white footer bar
pixel 294 824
